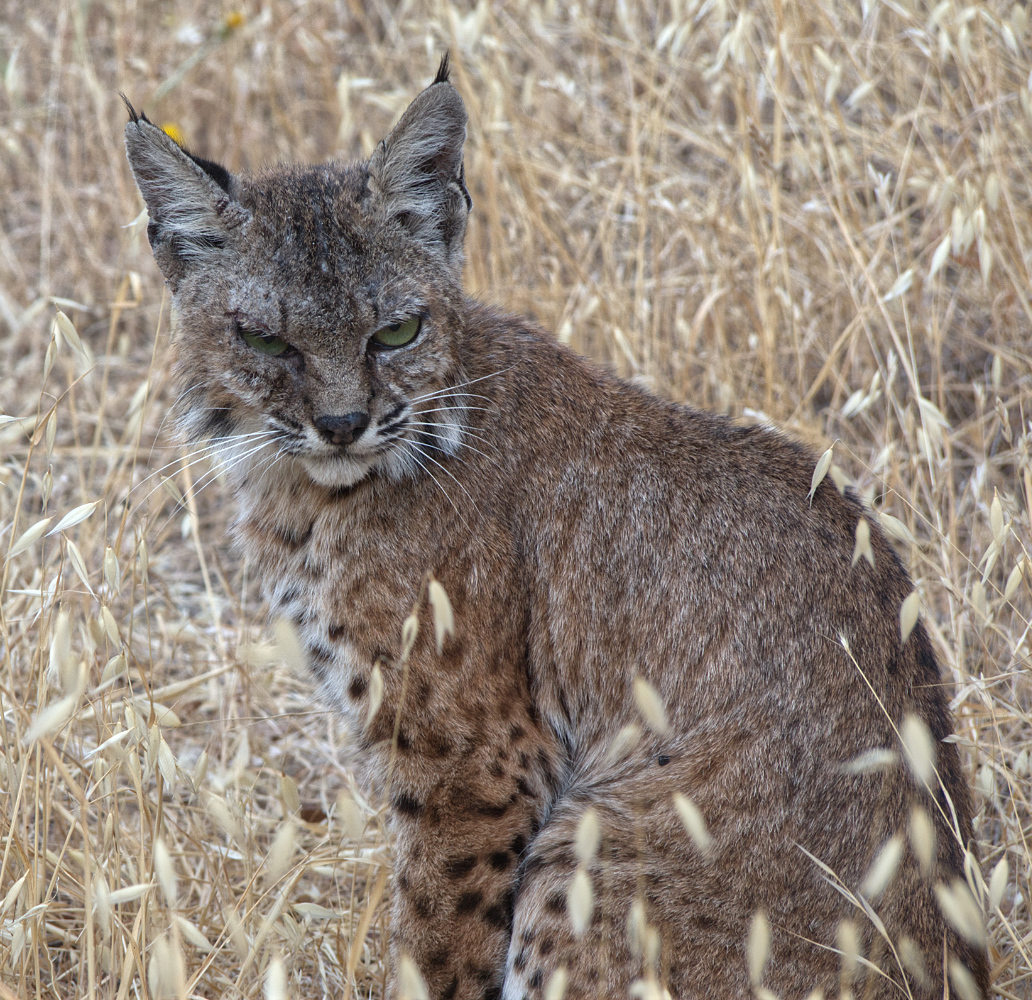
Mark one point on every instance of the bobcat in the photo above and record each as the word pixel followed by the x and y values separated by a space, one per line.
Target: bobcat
pixel 653 618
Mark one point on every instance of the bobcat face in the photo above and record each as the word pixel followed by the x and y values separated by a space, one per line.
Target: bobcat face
pixel 317 316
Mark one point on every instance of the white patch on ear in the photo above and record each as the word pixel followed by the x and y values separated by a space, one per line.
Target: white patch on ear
pixel 192 216
pixel 417 170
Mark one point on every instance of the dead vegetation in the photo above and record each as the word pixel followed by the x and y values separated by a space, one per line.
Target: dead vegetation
pixel 816 215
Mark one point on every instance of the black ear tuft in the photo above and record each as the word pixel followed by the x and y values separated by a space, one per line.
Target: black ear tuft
pixel 216 171
pixel 133 116
pixel 443 71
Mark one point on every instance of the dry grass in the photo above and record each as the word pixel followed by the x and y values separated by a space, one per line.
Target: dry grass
pixel 813 214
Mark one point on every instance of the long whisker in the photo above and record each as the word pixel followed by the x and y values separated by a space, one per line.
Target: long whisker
pixel 207 449
pixel 225 467
pixel 472 381
pixel 460 444
pixel 448 473
pixel 444 409
pixel 444 451
pixel 465 431
pixel 209 478
pixel 450 393
pixel 168 413
pixel 206 453
pixel 414 455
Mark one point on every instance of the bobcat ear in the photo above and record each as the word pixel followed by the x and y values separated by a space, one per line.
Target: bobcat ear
pixel 191 203
pixel 417 174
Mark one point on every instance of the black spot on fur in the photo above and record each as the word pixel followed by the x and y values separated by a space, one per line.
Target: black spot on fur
pixel 546 946
pixel 491 810
pixel 523 788
pixel 495 770
pixel 438 746
pixel 317 651
pixel 556 903
pixel 536 978
pixel 219 422
pixel 493 993
pixel 357 687
pixel 519 963
pixel 451 989
pixel 518 845
pixel 423 907
pixel 407 805
pixel 460 867
pixel 662 760
pixel 500 915
pixel 337 632
pixel 516 732
pixel 468 902
pixel 404 743
pixel 500 860
pixel 294 539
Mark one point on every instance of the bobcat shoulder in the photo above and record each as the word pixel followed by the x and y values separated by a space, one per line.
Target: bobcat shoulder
pixel 606 554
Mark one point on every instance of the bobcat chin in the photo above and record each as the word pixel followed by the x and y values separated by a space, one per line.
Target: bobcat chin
pixel 656 626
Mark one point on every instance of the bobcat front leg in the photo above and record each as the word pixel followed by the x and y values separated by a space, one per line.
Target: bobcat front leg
pixel 460 836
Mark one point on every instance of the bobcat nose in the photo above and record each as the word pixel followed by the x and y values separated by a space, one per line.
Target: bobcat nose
pixel 342 430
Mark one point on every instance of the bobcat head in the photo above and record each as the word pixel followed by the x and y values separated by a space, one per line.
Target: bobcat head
pixel 318 307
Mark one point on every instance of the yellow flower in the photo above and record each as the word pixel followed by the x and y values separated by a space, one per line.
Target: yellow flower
pixel 233 21
pixel 174 133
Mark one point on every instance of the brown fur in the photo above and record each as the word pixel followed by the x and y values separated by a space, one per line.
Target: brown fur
pixel 586 533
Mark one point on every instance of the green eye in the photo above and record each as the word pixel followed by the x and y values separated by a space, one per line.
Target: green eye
pixel 398 334
pixel 266 343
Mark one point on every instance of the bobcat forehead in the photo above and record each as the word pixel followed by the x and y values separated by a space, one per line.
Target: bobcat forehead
pixel 607 558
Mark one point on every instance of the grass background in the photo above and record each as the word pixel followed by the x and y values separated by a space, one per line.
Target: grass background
pixel 812 214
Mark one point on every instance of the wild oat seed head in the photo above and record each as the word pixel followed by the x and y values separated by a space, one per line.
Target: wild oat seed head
pixel 848 942
pixel 375 693
pixel 862 547
pixel 624 742
pixel 556 986
pixel 819 472
pixel 444 618
pixel 411 985
pixel 352 819
pixel 963 982
pixel 693 821
pixel 913 960
pixel 922 839
pixel 276 980
pixel 580 902
pixel 589 836
pixel 758 947
pixel 651 707
pixel 918 749
pixel 909 612
pixel 961 911
pixel 883 869
pixel 165 869
pixel 282 851
pixel 288 646
pixel 998 883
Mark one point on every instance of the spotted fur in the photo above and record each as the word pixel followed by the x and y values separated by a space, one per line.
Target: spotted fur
pixel 587 533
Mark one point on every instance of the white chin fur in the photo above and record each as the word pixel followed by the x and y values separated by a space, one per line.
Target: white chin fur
pixel 337 472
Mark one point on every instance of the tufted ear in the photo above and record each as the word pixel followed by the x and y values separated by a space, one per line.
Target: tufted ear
pixel 191 202
pixel 417 172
